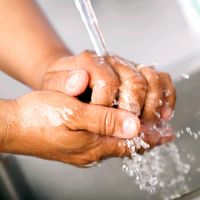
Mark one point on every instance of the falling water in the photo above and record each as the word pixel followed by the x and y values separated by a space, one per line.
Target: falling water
pixel 89 19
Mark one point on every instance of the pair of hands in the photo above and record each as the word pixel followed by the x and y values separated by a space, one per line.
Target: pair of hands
pixel 56 125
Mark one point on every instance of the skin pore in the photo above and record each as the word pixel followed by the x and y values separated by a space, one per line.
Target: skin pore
pixel 52 123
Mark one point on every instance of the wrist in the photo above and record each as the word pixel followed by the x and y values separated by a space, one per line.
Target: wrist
pixel 46 63
pixel 9 124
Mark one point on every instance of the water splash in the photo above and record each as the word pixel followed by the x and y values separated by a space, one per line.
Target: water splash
pixel 185 75
pixel 195 135
pixel 150 171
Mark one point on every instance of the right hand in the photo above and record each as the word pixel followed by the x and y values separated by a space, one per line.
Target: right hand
pixel 55 126
pixel 142 91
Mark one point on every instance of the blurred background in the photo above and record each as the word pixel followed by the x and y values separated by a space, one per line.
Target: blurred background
pixel 144 31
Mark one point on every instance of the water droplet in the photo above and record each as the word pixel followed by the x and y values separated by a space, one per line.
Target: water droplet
pixel 198 169
pixel 161 184
pixel 153 181
pixel 186 168
pixel 137 178
pixel 124 167
pixel 185 75
pixel 188 130
pixel 157 115
pixel 115 102
pixel 178 134
pixel 195 135
pixel 131 173
pixel 160 102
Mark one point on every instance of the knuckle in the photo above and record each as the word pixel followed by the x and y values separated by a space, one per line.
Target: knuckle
pixel 74 118
pixel 107 123
pixel 87 54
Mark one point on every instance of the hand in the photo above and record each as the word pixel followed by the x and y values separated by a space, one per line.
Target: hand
pixel 156 134
pixel 54 126
pixel 73 74
pixel 113 77
pixel 144 88
pixel 157 100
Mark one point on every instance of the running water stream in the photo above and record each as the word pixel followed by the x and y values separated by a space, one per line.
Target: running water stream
pixel 148 170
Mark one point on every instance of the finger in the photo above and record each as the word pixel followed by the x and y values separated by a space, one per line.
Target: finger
pixel 169 96
pixel 157 134
pixel 71 82
pixel 98 150
pixel 168 137
pixel 133 86
pixel 151 136
pixel 154 96
pixel 114 147
pixel 104 121
pixel 104 82
pixel 102 79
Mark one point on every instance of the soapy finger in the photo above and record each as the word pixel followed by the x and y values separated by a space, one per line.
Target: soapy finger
pixel 103 80
pixel 154 96
pixel 132 90
pixel 169 96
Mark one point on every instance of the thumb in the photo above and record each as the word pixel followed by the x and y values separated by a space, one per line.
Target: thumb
pixel 107 121
pixel 71 82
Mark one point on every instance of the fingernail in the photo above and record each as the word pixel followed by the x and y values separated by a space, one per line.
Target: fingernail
pixel 167 113
pixel 130 126
pixel 74 77
pixel 75 82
